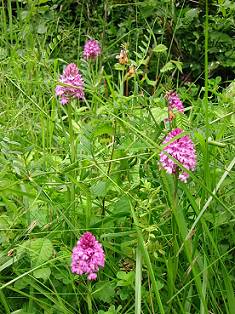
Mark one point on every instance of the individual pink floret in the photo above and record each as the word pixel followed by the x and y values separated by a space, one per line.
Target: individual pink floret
pixel 182 150
pixel 71 76
pixel 88 256
pixel 91 49
pixel 174 101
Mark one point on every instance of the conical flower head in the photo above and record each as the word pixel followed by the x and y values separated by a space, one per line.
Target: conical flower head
pixel 174 101
pixel 72 77
pixel 182 150
pixel 88 256
pixel 91 49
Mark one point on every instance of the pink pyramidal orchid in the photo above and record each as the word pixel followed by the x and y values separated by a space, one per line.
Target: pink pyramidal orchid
pixel 174 101
pixel 91 49
pixel 88 255
pixel 75 89
pixel 182 150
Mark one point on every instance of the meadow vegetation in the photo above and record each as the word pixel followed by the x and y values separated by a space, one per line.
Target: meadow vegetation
pixel 138 153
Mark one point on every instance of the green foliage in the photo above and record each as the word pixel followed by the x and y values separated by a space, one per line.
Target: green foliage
pixel 95 165
pixel 104 291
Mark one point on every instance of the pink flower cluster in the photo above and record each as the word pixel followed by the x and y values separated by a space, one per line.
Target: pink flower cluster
pixel 174 102
pixel 91 49
pixel 182 150
pixel 87 256
pixel 71 76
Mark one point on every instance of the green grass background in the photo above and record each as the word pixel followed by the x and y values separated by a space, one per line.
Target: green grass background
pixel 95 166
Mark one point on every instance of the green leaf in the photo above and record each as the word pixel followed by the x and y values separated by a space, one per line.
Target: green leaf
pixel 99 189
pixel 191 14
pixel 178 65
pixel 160 284
pixel 21 283
pixel 43 273
pixel 111 310
pixel 160 48
pixel 42 29
pixel 149 82
pixel 125 293
pixel 104 291
pixel 126 279
pixel 40 250
pixel 104 129
pixel 167 67
pixel 182 121
pixel 38 215
pixel 233 120
pixel 160 114
pixel 9 262
pixel 3 53
pixel 42 2
pixel 119 67
pixel 122 205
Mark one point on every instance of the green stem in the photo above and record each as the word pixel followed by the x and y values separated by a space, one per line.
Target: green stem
pixel 9 9
pixel 138 280
pixel 72 159
pixel 4 302
pixel 179 222
pixel 89 303
pixel 110 163
pixel 206 157
pixel 145 253
pixel 174 260
pixel 71 136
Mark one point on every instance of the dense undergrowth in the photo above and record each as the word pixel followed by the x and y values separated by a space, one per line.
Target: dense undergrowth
pixel 93 165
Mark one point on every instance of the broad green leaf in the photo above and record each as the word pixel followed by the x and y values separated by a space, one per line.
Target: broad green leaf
pixel 126 279
pixel 191 14
pixel 38 214
pixel 104 291
pixel 167 67
pixel 160 48
pixel 104 129
pixel 40 250
pixel 43 273
pixel 99 189
pixel 122 205
pixel 22 283
pixel 160 114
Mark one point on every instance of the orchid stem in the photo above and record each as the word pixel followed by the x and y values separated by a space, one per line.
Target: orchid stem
pixel 72 159
pixel 89 303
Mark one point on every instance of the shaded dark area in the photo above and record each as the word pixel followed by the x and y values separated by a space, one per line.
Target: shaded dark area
pixel 181 28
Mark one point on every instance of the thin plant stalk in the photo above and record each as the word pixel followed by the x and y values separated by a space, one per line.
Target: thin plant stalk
pixel 4 302
pixel 72 159
pixel 138 280
pixel 174 258
pixel 110 163
pixel 145 253
pixel 89 303
pixel 207 126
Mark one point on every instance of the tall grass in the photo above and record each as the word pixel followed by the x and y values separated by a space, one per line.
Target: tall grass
pixel 95 166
